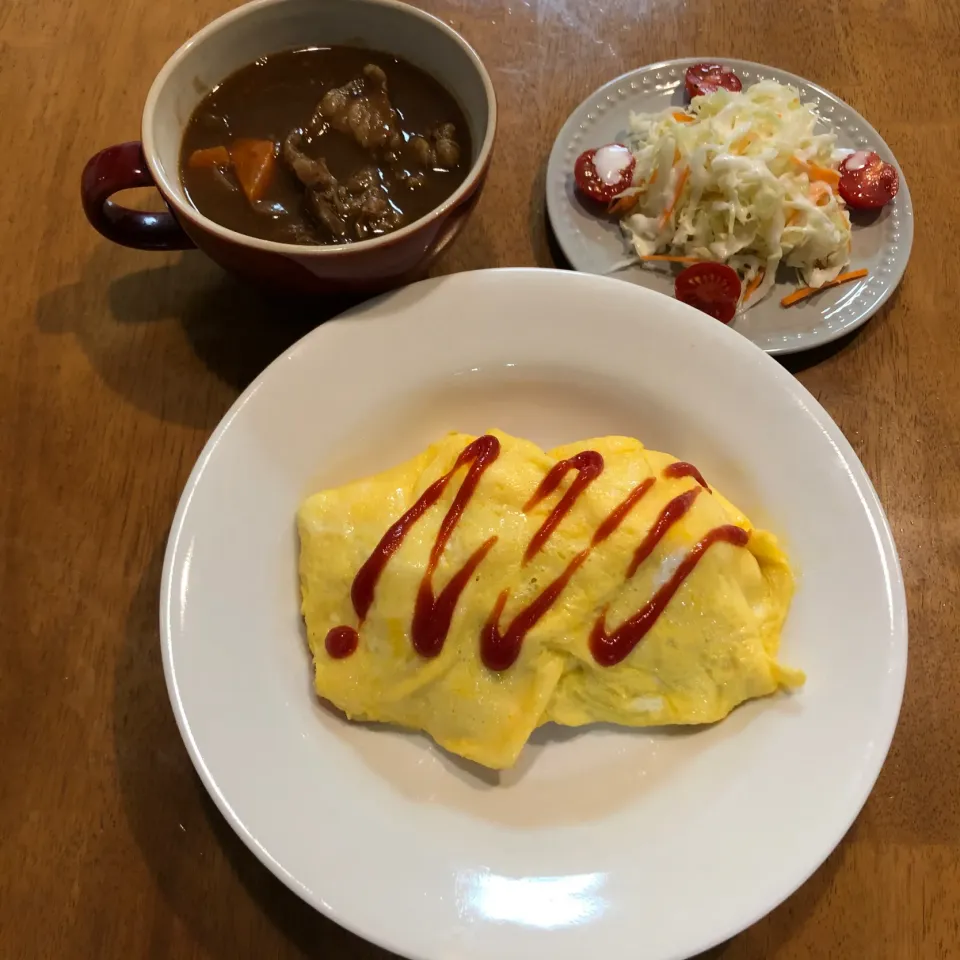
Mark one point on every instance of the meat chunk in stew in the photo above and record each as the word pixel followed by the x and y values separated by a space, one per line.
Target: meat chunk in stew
pixel 362 109
pixel 353 210
pixel 439 149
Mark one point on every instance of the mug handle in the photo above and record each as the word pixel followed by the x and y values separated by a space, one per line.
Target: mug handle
pixel 121 167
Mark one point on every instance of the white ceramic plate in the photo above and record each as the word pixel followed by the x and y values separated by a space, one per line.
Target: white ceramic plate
pixel 601 837
pixel 881 242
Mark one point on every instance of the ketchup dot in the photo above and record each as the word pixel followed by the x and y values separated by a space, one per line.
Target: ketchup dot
pixel 341 642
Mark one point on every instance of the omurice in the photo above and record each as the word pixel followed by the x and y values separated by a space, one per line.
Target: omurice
pixel 486 587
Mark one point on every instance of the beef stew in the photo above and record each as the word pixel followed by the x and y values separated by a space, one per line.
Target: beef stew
pixel 324 146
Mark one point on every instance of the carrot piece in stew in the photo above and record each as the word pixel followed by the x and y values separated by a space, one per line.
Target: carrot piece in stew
pixel 210 157
pixel 254 163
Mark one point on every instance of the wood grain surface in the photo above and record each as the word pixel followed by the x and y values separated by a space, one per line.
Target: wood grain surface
pixel 115 366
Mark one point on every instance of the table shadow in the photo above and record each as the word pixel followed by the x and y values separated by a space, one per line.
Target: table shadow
pixel 154 334
pixel 546 249
pixel 202 869
pixel 798 362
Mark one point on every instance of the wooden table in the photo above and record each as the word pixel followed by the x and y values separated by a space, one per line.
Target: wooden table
pixel 115 366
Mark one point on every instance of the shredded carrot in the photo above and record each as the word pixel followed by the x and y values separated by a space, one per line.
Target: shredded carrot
pixel 209 157
pixel 255 163
pixel 804 292
pixel 681 183
pixel 817 173
pixel 683 117
pixel 666 258
pixel 819 193
pixel 676 155
pixel 753 284
pixel 623 204
pixel 824 175
pixel 791 217
pixel 653 179
pixel 741 146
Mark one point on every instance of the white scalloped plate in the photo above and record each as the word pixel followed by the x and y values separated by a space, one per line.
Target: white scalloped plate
pixel 594 244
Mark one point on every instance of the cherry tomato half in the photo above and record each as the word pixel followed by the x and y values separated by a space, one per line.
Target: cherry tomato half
pixel 704 78
pixel 713 288
pixel 604 172
pixel 866 182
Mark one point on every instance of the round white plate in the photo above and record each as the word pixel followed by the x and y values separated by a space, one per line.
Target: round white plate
pixel 600 837
pixel 594 244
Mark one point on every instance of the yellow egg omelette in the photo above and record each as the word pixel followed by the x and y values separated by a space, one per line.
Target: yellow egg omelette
pixel 486 587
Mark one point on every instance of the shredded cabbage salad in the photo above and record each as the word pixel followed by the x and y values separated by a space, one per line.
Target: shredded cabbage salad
pixel 739 177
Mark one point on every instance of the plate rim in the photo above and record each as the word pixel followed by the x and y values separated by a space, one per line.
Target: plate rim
pixel 814 340
pixel 873 509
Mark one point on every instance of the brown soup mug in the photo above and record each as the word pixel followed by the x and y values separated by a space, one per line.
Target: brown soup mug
pixel 237 39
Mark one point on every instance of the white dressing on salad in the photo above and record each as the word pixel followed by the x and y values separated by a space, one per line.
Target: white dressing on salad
pixel 857 159
pixel 611 161
pixel 740 177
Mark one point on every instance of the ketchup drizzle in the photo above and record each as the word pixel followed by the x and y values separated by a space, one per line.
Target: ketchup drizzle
pixel 589 466
pixel 500 650
pixel 669 515
pixel 341 642
pixel 609 649
pixel 432 614
pixel 683 469
pixel 619 513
